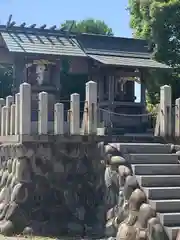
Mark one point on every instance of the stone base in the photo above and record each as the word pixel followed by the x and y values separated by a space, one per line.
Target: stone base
pixel 51 189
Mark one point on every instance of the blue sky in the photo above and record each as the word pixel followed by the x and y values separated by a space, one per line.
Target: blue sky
pixel 56 11
pixel 52 12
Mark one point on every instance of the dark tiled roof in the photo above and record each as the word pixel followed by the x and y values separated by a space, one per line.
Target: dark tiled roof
pixel 128 61
pixel 105 49
pixel 114 46
pixel 52 45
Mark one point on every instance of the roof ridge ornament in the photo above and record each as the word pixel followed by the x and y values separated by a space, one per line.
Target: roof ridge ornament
pixel 34 29
pixel 12 24
pixel 53 27
pixel 23 25
pixel 32 25
pixel 9 21
pixel 43 26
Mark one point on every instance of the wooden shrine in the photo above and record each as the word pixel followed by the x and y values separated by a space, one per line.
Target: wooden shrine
pixel 50 59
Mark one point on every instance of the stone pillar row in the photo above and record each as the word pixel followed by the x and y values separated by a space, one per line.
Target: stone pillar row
pixel 15 113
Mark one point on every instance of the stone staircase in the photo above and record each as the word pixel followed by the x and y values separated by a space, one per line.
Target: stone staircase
pixel 158 173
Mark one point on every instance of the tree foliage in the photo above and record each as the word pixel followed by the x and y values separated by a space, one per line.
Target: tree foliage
pixel 88 26
pixel 158 21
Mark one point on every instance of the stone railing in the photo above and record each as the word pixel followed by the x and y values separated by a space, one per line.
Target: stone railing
pixel 16 115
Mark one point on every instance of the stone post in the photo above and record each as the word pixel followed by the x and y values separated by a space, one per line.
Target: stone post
pixel 68 121
pixel 25 109
pixel 91 98
pixel 2 103
pixel 3 120
pixel 157 124
pixel 165 111
pixel 75 114
pixel 58 118
pixel 12 119
pixel 43 113
pixel 17 113
pixel 177 117
pixel 9 101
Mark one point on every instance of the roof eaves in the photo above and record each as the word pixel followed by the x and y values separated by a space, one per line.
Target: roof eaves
pixel 118 53
pixel 129 61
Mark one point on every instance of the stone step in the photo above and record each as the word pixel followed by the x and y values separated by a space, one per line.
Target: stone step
pixel 159 180
pixel 144 148
pixel 134 138
pixel 172 232
pixel 156 169
pixel 162 193
pixel 151 158
pixel 170 219
pixel 165 206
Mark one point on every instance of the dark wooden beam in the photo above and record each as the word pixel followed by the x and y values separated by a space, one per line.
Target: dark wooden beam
pixel 122 73
pixel 43 26
pixel 12 24
pixel 23 25
pixel 31 57
pixel 9 21
pixel 53 27
pixel 32 26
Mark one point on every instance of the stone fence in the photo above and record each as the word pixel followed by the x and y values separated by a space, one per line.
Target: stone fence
pixel 16 114
pixel 168 115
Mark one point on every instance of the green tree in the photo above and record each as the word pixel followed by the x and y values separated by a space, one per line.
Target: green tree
pixel 88 26
pixel 158 21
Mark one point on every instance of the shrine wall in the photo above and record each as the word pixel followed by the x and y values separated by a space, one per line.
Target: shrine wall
pixel 5 56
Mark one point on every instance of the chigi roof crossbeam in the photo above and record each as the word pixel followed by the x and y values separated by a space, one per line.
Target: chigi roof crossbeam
pixel 11 27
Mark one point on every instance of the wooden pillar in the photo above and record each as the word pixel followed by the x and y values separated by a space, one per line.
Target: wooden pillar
pixel 143 93
pixel 143 89
pixel 101 87
pixel 111 81
pixel 56 78
pixel 19 73
pixel 117 88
